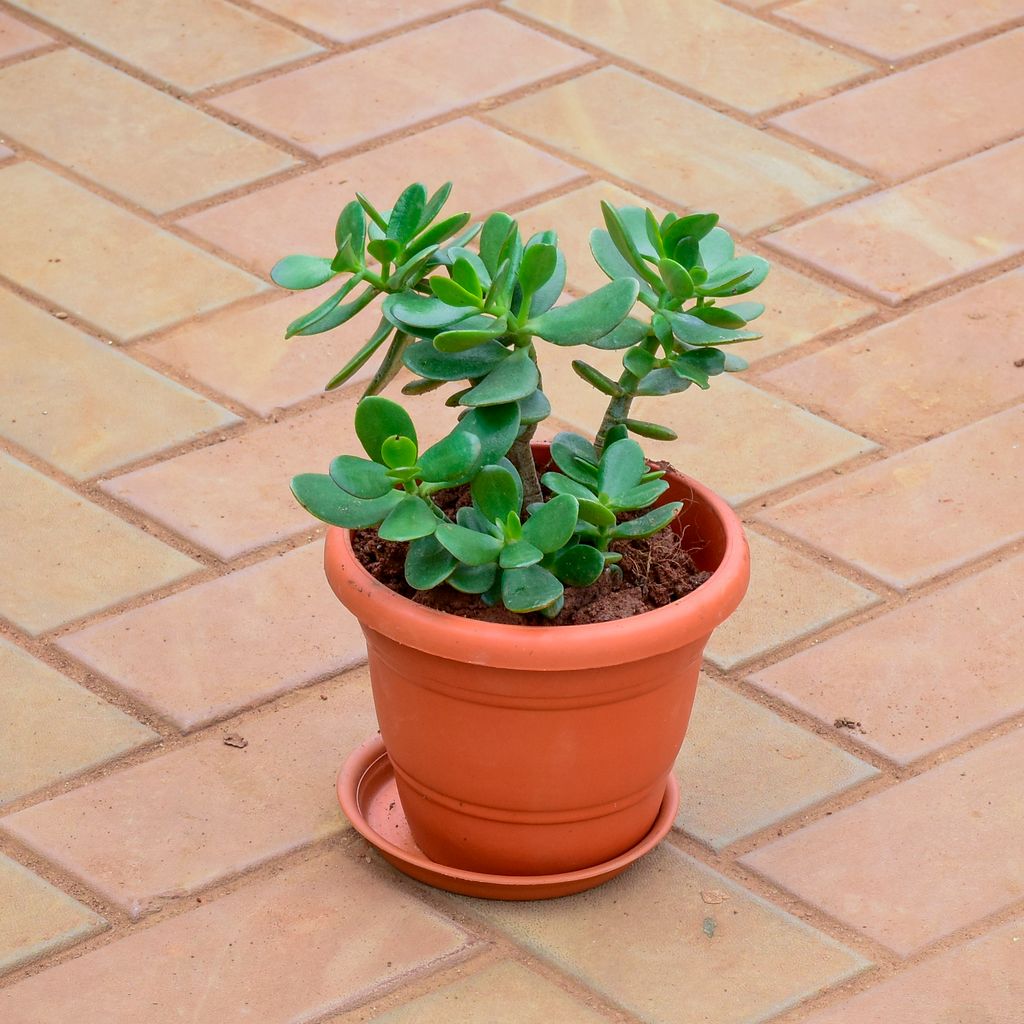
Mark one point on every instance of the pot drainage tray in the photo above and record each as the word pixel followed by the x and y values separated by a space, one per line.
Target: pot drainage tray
pixel 369 797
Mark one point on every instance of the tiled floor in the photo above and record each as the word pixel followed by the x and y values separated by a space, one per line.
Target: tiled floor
pixel 848 846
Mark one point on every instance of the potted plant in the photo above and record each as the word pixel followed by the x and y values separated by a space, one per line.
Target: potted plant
pixel 535 614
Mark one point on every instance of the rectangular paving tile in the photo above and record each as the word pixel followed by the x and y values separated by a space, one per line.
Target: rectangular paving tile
pixel 789 597
pixel 436 78
pixel 506 993
pixel 235 496
pixel 36 918
pixel 743 442
pixel 342 930
pixel 93 259
pixel 914 106
pixel 54 728
pixel 207 811
pixel 895 31
pixel 84 407
pixel 298 215
pixel 641 941
pixel 787 68
pixel 901 242
pixel 890 381
pixel 349 20
pixel 981 982
pixel 17 38
pixel 923 676
pixel 916 862
pixel 248 636
pixel 156 151
pixel 64 557
pixel 922 512
pixel 191 44
pixel 242 353
pixel 732 787
pixel 636 131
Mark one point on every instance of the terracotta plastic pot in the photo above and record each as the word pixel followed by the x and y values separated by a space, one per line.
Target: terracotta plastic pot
pixel 527 750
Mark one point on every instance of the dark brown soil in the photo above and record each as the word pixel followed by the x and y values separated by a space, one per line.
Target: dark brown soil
pixel 654 572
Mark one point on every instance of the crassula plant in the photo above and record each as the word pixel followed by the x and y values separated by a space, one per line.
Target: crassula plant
pixel 465 309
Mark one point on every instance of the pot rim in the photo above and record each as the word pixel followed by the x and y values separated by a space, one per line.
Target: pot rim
pixel 553 648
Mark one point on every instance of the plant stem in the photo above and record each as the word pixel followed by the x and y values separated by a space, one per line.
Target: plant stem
pixel 521 456
pixel 618 409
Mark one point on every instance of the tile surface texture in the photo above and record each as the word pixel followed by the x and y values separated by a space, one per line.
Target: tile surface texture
pixel 17 37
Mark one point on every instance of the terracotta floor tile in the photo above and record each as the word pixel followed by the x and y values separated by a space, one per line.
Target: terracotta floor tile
pixel 54 728
pixel 156 151
pixel 901 242
pixel 920 677
pixel 251 635
pixel 640 941
pixel 895 31
pixel 298 215
pixel 342 929
pixel 910 865
pixel 785 68
pixel 204 812
pixel 889 382
pixel 64 557
pixel 789 597
pixel 506 993
pixel 436 79
pixel 36 918
pixel 189 43
pixel 234 496
pixel 915 107
pixel 243 353
pixel 349 20
pixel 980 982
pixel 743 442
pixel 93 259
pixel 732 789
pixel 16 37
pixel 636 130
pixel 922 512
pixel 66 400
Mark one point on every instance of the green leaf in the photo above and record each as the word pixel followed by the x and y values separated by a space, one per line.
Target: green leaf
pixel 497 230
pixel 308 319
pixel 409 520
pixel 451 293
pixel 473 579
pixel 417 310
pixel 626 245
pixel 748 310
pixel 374 214
pixel 692 331
pixel 588 319
pixel 497 426
pixel 718 316
pixel 699 366
pixel 421 387
pixel 376 420
pixel 639 362
pixel 629 333
pixel 621 468
pixel 641 496
pixel 576 457
pixel 346 261
pixel 454 458
pixel 559 483
pixel 427 564
pixel 649 523
pixel 578 566
pixel 539 262
pixel 374 342
pixel 661 382
pixel 351 225
pixel 496 492
pixel 361 477
pixel 439 233
pixel 467 277
pixel 518 554
pixel 300 272
pixel 734 364
pixel 384 250
pixel 534 408
pixel 596 379
pixel 434 204
pixel 499 295
pixel 612 262
pixel 677 280
pixel 334 314
pixel 655 431
pixel 634 219
pixel 405 217
pixel 550 292
pixel 716 248
pixel 687 254
pixel 424 359
pixel 513 378
pixel 318 494
pixel 529 589
pixel 469 546
pixel 474 519
pixel 654 232
pixel 398 453
pixel 696 225
pixel 736 276
pixel 550 526
pixel 482 331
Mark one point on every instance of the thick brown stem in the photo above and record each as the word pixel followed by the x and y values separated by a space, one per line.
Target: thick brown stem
pixel 521 457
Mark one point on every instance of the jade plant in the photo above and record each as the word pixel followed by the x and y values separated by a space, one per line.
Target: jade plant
pixel 465 308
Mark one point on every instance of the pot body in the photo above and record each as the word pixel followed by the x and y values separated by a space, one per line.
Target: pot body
pixel 530 750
